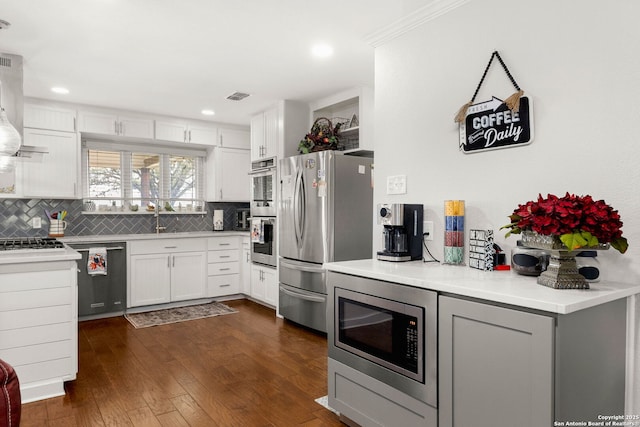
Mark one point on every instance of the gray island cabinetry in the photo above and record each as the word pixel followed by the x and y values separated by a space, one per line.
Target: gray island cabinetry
pixel 502 366
pixel 510 352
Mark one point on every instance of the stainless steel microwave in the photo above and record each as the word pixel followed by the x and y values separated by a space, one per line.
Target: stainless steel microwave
pixel 386 331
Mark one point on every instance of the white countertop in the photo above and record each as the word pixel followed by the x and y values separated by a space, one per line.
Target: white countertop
pixel 505 287
pixel 32 256
pixel 146 236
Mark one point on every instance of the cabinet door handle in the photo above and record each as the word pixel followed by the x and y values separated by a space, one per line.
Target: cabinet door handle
pixel 174 261
pixel 225 269
pixel 115 127
pixel 184 136
pixel 75 125
pixel 170 247
pixel 224 244
pixel 221 141
pixel 225 285
pixel 189 136
pixel 168 261
pixel 225 256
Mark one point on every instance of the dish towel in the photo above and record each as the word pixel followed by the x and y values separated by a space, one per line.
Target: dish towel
pixel 97 262
pixel 257 231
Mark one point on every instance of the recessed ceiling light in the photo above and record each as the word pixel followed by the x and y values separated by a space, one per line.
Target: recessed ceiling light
pixel 60 90
pixel 322 50
pixel 208 112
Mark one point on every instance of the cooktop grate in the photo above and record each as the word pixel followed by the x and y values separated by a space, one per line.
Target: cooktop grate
pixel 12 244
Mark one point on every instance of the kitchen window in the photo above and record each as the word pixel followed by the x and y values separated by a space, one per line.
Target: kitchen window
pixel 116 176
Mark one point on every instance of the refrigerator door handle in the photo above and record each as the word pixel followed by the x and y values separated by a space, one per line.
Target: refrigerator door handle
pixel 303 216
pixel 297 209
pixel 300 266
pixel 302 296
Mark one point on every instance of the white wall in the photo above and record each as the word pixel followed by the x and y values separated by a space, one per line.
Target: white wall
pixel 577 61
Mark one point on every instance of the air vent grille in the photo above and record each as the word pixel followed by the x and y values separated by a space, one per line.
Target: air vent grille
pixel 237 96
pixel 5 62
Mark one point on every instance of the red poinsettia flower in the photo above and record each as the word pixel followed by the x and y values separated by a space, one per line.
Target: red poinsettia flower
pixel 572 218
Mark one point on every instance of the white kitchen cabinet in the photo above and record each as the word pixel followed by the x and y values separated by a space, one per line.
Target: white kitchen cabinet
pixel 234 138
pixel 228 175
pixel 184 131
pixel 357 138
pixel 113 124
pixel 50 117
pixel 166 270
pixel 39 325
pixel 276 132
pixel 53 174
pixel 224 266
pixel 264 284
pixel 150 279
pixel 245 267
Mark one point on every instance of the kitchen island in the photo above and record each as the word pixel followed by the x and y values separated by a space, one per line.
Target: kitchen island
pixel 510 351
pixel 39 319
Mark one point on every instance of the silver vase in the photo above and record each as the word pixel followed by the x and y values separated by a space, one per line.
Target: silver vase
pixel 562 271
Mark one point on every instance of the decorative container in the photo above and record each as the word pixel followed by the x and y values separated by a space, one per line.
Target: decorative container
pixel 454 232
pixel 562 271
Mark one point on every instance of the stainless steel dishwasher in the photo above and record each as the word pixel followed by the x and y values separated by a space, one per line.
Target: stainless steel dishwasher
pixel 100 295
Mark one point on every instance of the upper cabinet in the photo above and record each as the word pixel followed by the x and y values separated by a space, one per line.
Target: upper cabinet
pixel 55 173
pixel 115 125
pixel 354 108
pixel 276 132
pixel 228 175
pixel 185 131
pixel 234 138
pixel 41 116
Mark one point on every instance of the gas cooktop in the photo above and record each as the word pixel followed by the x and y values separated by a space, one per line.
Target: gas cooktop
pixel 18 243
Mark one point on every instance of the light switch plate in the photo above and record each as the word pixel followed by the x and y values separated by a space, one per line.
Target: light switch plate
pixel 397 184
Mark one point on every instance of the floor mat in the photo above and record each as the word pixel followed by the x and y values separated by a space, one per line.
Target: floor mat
pixel 178 314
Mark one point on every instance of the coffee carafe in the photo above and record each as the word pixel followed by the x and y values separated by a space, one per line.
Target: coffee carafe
pixel 402 231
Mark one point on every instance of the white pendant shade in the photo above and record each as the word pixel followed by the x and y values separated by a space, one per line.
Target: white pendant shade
pixel 7 164
pixel 9 137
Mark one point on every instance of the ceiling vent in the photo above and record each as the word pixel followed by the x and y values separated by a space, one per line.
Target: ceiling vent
pixel 237 96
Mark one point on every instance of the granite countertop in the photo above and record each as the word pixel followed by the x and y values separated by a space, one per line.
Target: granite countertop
pixel 146 236
pixel 505 287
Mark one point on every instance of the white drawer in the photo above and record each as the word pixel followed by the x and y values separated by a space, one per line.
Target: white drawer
pixel 224 255
pixel 36 335
pixel 36 298
pixel 228 242
pixel 161 246
pixel 35 317
pixel 218 268
pixel 227 284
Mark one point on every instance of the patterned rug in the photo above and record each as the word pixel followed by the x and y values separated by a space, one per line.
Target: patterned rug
pixel 178 314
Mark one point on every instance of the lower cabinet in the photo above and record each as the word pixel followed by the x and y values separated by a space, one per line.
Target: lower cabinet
pixel 264 284
pixel 39 325
pixel 166 270
pixel 224 268
pixel 500 366
pixel 245 267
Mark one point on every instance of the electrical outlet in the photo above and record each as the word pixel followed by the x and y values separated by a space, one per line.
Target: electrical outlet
pixel 36 222
pixel 427 228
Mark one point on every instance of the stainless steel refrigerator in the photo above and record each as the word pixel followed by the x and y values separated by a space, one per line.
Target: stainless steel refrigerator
pixel 325 214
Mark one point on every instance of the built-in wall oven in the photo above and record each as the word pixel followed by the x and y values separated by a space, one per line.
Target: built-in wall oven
pixel 264 240
pixel 263 210
pixel 386 331
pixel 263 189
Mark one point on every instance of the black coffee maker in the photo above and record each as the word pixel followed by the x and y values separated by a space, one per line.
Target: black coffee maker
pixel 402 231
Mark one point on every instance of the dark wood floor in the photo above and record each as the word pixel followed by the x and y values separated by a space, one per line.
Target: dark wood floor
pixel 243 369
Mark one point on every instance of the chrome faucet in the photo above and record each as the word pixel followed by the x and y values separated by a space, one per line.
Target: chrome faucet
pixel 159 228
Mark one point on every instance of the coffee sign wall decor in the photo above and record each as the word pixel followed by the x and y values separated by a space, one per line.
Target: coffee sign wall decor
pixel 491 125
pixel 495 123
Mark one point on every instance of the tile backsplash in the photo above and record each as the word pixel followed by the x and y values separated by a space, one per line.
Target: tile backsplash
pixel 16 216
